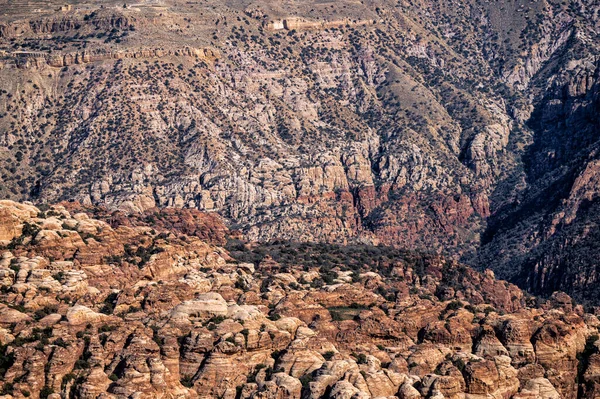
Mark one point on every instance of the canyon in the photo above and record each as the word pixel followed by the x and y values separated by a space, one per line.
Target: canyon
pixel 465 131
pixel 307 199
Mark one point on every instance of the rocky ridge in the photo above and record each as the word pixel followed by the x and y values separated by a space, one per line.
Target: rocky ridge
pixel 41 60
pixel 318 134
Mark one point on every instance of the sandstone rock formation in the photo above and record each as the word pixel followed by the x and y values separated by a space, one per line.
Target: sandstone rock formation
pixel 93 311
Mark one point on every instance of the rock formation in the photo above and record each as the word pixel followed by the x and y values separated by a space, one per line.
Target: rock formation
pixel 467 130
pixel 92 311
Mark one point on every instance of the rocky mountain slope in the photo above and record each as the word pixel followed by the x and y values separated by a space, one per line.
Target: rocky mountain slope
pixel 466 128
pixel 98 310
pixel 547 239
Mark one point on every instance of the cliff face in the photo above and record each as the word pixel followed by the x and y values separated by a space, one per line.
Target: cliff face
pixel 64 22
pixel 555 221
pixel 466 130
pixel 39 60
pixel 92 309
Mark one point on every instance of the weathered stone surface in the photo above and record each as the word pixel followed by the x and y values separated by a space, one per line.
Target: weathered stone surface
pixel 203 307
pixel 132 312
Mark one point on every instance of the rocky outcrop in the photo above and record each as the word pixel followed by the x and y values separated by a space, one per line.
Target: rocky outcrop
pixel 555 37
pixel 61 23
pixel 12 218
pixel 294 23
pixel 40 60
pixel 90 310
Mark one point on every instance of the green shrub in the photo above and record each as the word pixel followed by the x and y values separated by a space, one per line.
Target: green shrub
pixel 186 381
pixel 6 360
pixel 274 317
pixel 305 380
pixel 361 358
pixel 7 389
pixel 45 392
pixel 106 328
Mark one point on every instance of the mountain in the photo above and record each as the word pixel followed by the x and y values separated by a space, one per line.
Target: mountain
pixel 99 306
pixel 461 128
pixel 299 200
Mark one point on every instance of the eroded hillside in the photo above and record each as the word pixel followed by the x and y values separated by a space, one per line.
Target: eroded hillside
pixel 467 128
pixel 370 127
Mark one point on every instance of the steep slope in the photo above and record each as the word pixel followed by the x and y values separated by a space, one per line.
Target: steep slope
pixel 549 235
pixel 367 126
pixel 91 311
pixel 466 128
